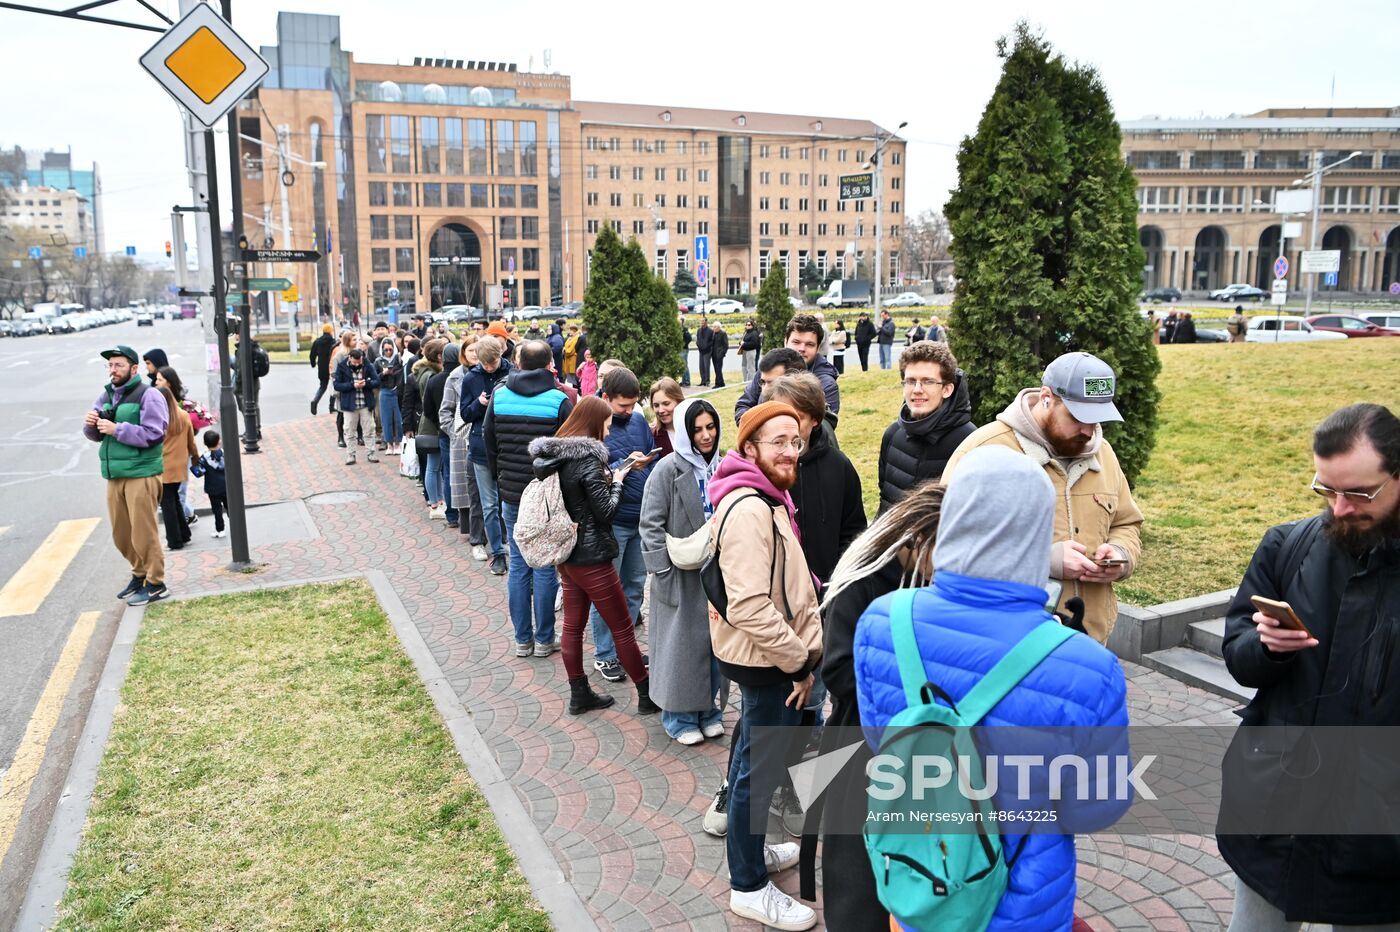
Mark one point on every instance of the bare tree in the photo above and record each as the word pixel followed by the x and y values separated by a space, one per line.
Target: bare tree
pixel 925 242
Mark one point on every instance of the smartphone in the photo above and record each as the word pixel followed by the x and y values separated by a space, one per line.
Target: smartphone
pixel 1111 561
pixel 1281 611
pixel 638 455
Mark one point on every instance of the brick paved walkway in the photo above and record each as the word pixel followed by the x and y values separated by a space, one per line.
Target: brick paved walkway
pixel 619 803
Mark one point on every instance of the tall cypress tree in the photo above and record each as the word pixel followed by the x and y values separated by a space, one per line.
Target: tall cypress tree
pixel 1044 224
pixel 630 312
pixel 773 309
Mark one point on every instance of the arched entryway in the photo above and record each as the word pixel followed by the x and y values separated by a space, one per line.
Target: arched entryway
pixel 454 266
pixel 1340 238
pixel 1390 262
pixel 1208 265
pixel 1268 255
pixel 1153 271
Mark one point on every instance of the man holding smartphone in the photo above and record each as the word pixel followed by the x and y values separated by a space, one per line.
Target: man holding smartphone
pixel 1339 573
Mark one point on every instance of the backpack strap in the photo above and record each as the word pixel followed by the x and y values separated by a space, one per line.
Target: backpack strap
pixel 906 646
pixel 1295 548
pixel 1011 669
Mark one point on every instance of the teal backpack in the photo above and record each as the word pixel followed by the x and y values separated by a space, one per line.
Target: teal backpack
pixel 926 878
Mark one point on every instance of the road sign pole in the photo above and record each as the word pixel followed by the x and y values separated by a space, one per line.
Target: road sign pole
pixel 1312 237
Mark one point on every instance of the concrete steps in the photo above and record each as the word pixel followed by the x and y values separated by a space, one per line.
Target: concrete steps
pixel 1198 661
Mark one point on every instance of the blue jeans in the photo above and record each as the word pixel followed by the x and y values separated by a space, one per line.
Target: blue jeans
pixel 390 417
pixel 525 584
pixel 490 508
pixel 755 770
pixel 445 475
pixel 432 479
pixel 633 573
pixel 885 349
pixel 677 723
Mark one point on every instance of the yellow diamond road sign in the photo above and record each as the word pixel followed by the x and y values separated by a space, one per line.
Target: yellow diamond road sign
pixel 204 64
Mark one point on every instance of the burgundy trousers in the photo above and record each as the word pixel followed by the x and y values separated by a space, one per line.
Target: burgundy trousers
pixel 597 584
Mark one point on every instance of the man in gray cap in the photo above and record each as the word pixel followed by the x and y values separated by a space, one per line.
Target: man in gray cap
pixel 1097 524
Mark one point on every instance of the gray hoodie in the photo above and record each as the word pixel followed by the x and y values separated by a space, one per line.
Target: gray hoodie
pixel 998 519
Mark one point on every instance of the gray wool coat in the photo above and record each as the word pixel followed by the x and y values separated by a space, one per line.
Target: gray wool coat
pixel 679 625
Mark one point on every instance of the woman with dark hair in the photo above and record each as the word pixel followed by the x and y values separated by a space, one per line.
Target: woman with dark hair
pixel 591 493
pixel 167 376
pixel 675 506
pixel 179 447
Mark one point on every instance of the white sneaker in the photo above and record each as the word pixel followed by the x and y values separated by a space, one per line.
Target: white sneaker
pixel 215 534
pixel 713 730
pixel 717 816
pixel 690 737
pixel 478 552
pixel 437 511
pixel 782 856
pixel 773 908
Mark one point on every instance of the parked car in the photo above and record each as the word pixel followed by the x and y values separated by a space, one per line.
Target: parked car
pixel 1158 295
pixel 1384 320
pixel 28 328
pixel 145 319
pixel 723 306
pixel 1350 326
pixel 795 302
pixel 1285 329
pixel 573 307
pixel 7 329
pixel 906 299
pixel 685 305
pixel 1238 292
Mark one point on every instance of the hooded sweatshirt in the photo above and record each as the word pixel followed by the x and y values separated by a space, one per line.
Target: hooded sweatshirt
pixel 997 520
pixel 1018 417
pixel 735 472
pixel 158 357
pixel 701 467
pixel 916 449
pixel 433 391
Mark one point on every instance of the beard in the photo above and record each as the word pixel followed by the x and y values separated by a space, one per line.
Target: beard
pixel 1070 446
pixel 1357 535
pixel 782 476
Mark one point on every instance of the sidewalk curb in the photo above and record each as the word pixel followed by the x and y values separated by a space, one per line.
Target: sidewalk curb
pixel 541 869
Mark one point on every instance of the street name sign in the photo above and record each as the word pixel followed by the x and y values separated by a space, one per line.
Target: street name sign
pixel 268 284
pixel 856 187
pixel 1321 260
pixel 204 65
pixel 281 255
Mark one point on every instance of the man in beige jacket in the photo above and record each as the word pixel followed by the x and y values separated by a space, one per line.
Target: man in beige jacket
pixel 768 641
pixel 1097 524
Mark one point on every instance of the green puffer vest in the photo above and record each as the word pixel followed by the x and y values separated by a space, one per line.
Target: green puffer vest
pixel 119 460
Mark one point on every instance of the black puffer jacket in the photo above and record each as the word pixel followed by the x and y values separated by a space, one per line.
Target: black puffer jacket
pixel 829 509
pixel 912 451
pixel 589 493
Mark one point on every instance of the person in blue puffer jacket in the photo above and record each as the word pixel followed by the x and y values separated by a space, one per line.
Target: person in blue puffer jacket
pixel 988 592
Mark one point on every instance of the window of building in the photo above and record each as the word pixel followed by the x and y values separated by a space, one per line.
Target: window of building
pixel 787 268
pixel 432 194
pixel 821 204
pixel 529 227
pixel 505 147
pixel 661 262
pixel 763 152
pixel 617 227
pixel 783 229
pixel 1155 160
pixel 593 143
pixel 400 145
pixel 661 143
pixel 785 178
pixel 1390 199
pixel 894 183
pixel 784 152
pixel 841 206
pixel 894 206
pixel 505 195
pixel 479 195
pixel 1220 199
pixel 765 262
pixel 403 227
pixel 403 259
pixel 453 135
pixel 703 147
pixel 378 194
pixel 842 155
pixel 1346 198
pixel 894 232
pixel 478 161
pixel 615 199
pixel 821 155
pixel 592 198
pixel 702 228
pixel 802 229
pixel 590 172
pixel 840 229
pixel 702 175
pixel 639 227
pixel 1292 160
pixel 403 194
pixel 530 196
pixel 509 229
pixel 378 226
pixel 1159 199
pixel 682 260
pixel 615 143
pixel 682 174
pixel 681 227
pixel 614 172
pixel 1390 161
pixel 821 229
pixel 804 180
pixel 765 177
pixel 639 200
pixel 860 206
pixel 379 260
pixel 680 146
pixel 381 292
pixel 1363 161
pixel 593 226
pixel 508 260
pixel 763 203
pixel 638 145
pixel 636 173
pixel 457 194
pixel 661 174
pixel 764 229
pixel 530 290
pixel 374 143
pixel 530 259
pixel 784 203
pixel 896 157
pixel 1217 161
pixel 529 148
pixel 823 181
pixel 430 146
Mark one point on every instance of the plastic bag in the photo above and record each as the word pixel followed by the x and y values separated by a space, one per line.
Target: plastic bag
pixel 408 462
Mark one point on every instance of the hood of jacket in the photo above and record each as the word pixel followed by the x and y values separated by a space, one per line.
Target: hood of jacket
pixel 954 412
pixel 158 357
pixel 998 519
pixel 530 382
pixel 451 353
pixel 684 447
pixel 735 472
pixel 821 365
pixel 424 364
pixel 551 453
pixel 1018 417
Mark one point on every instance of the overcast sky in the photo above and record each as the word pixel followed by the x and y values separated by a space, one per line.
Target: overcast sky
pixel 80 85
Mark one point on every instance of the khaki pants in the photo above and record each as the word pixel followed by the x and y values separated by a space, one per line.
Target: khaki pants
pixel 131 507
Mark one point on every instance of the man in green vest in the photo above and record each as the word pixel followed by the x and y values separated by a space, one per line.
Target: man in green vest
pixel 129 419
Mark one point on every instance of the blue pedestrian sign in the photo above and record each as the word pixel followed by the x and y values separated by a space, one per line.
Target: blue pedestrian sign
pixel 80 252
pixel 131 250
pixel 702 249
pixel 1331 280
pixel 1281 267
pixel 35 252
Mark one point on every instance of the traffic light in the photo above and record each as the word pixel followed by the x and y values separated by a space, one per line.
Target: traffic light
pixel 168 253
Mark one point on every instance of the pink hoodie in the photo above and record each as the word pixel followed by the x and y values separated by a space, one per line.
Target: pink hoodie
pixel 735 472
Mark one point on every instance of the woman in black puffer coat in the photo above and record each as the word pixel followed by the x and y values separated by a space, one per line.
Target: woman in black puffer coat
pixel 591 494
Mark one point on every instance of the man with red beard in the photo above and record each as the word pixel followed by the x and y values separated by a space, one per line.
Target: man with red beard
pixel 768 642
pixel 1097 524
pixel 1340 573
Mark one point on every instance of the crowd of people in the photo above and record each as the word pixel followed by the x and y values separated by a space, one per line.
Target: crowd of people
pixel 759 571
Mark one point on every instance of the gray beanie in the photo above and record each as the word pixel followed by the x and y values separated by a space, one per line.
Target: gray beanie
pixel 998 519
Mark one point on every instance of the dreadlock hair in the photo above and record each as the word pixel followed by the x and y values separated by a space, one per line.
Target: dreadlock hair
pixel 910 524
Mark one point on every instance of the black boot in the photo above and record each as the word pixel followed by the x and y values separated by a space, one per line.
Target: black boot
pixel 644 704
pixel 582 698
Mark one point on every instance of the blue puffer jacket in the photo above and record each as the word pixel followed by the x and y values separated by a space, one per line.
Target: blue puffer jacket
pixel 964 625
pixel 634 436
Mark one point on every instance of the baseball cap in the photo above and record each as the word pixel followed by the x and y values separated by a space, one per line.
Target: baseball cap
pixel 1086 384
pixel 121 350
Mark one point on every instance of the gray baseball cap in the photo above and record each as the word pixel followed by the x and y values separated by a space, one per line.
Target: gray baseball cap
pixel 1086 384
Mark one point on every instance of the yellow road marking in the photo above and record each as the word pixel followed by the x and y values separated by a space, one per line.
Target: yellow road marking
pixel 28 588
pixel 19 779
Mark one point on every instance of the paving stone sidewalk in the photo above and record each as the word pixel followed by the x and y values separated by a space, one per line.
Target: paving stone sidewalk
pixel 618 802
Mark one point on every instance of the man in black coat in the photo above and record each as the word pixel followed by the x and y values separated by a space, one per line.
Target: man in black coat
pixel 719 346
pixel 865 335
pixel 935 418
pixel 685 351
pixel 1185 329
pixel 1340 573
pixel 321 349
pixel 704 344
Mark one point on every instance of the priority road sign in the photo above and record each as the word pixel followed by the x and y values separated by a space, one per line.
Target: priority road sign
pixel 269 284
pixel 1281 267
pixel 204 64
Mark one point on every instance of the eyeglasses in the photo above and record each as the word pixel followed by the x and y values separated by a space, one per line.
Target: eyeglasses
pixel 796 444
pixel 1331 493
pixel 924 384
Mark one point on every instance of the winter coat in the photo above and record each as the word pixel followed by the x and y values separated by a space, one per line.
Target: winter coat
pixel 865 332
pixel 588 378
pixel 824 371
pixel 141 415
pixel 449 417
pixel 321 349
pixel 345 377
pixel 678 628
pixel 912 451
pixel 1351 678
pixel 571 355
pixel 178 447
pixel 525 407
pixel 963 626
pixel 423 372
pixel 829 509
pixel 632 435
pixel 704 340
pixel 431 422
pixel 752 341
pixel 390 369
pixel 914 334
pixel 590 495
pixel 556 347
pixel 719 344
pixel 1185 331
pixel 886 336
pixel 215 480
pixel 839 340
pixel 410 398
pixel 475 382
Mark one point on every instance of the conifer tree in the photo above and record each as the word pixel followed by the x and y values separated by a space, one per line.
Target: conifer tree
pixel 630 313
pixel 1044 224
pixel 774 310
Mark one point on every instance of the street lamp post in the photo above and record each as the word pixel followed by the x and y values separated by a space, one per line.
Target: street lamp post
pixel 879 165
pixel 1316 176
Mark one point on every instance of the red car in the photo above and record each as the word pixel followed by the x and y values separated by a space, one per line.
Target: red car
pixel 1350 326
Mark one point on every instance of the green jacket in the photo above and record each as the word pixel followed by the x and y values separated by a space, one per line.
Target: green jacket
pixel 142 416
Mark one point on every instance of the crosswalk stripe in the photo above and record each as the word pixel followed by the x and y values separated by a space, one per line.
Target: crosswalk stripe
pixel 16 782
pixel 28 588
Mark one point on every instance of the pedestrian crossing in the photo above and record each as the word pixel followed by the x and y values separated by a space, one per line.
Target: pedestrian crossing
pixel 27 589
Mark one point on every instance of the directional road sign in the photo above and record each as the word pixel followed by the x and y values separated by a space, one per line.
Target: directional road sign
pixel 234 299
pixel 1321 260
pixel 702 248
pixel 291 294
pixel 1281 267
pixel 80 252
pixel 1330 280
pixel 131 250
pixel 35 252
pixel 204 64
pixel 281 255
pixel 269 284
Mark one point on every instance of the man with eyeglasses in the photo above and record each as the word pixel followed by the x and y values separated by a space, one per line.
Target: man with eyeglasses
pixel 1340 573
pixel 935 418
pixel 1098 527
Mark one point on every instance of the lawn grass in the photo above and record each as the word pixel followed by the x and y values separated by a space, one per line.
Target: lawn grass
pixel 276 763
pixel 1233 454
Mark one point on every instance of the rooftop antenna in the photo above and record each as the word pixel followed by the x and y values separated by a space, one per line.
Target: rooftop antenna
pixel 548 58
pixel 531 66
pixel 1331 101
